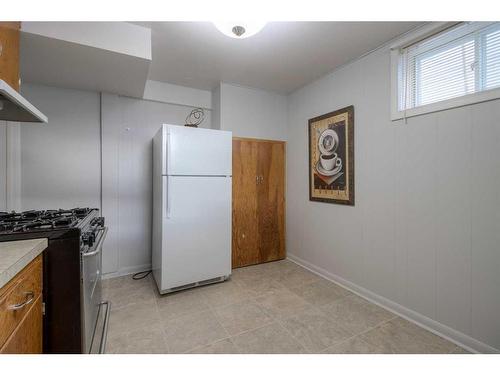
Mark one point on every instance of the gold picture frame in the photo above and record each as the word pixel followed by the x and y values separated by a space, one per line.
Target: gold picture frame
pixel 331 157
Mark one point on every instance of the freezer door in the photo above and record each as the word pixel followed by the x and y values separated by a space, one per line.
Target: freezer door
pixel 197 230
pixel 198 152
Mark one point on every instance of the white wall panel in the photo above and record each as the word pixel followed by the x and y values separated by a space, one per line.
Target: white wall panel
pixel 110 114
pixel 485 222
pixel 253 113
pixel 175 94
pixel 61 159
pixel 376 182
pixel 453 246
pixel 420 181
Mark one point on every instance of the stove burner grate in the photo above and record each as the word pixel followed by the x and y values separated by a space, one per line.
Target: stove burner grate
pixel 37 220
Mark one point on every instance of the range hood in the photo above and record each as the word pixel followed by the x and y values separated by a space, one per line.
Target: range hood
pixel 13 107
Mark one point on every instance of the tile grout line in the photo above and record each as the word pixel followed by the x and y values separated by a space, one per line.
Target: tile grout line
pixel 163 334
pixel 357 335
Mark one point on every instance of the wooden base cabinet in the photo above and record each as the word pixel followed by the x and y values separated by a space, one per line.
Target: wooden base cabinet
pixel 258 234
pixel 21 311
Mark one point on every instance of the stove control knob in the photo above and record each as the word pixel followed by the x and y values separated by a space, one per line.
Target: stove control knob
pixel 91 239
pixel 88 239
pixel 85 238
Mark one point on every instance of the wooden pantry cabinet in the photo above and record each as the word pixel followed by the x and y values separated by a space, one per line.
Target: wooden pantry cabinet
pixel 9 53
pixel 258 233
pixel 21 311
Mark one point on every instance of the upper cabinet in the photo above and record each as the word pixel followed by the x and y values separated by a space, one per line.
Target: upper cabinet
pixel 9 53
pixel 13 106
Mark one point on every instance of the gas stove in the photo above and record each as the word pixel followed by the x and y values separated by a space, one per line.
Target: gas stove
pixel 41 220
pixel 72 267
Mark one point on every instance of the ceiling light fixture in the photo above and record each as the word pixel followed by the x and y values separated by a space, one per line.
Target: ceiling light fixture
pixel 239 30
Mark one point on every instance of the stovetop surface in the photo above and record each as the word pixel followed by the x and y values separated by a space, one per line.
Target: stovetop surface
pixel 41 220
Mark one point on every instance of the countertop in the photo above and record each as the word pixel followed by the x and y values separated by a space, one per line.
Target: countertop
pixel 15 255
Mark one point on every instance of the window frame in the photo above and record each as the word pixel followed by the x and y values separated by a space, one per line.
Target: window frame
pixel 413 37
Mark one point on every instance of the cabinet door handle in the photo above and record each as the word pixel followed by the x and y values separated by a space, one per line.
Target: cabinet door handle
pixel 29 298
pixel 257 180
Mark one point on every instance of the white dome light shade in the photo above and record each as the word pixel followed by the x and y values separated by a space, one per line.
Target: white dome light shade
pixel 239 30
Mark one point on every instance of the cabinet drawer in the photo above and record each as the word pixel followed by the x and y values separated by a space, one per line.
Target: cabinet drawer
pixel 18 296
pixel 27 337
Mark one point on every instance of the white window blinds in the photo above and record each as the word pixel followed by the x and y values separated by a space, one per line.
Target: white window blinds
pixel 458 61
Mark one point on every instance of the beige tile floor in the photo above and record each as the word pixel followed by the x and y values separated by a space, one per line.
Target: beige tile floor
pixel 276 307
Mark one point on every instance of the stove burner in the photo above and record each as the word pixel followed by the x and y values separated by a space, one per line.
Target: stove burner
pixel 64 222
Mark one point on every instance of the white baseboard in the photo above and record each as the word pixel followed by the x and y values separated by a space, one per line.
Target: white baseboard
pixel 457 337
pixel 127 271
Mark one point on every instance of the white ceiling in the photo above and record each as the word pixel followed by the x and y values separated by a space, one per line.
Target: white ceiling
pixel 284 56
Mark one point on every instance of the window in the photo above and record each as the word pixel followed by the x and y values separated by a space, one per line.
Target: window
pixel 457 66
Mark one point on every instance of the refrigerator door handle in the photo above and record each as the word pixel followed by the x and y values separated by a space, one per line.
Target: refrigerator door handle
pixel 168 153
pixel 167 200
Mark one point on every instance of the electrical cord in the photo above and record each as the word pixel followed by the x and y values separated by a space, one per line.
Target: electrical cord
pixel 140 275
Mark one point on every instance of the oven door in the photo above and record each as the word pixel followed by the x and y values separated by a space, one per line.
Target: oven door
pixel 91 278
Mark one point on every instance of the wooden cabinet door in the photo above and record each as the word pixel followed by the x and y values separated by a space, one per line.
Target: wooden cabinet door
pixel 245 231
pixel 271 200
pixel 258 201
pixel 9 53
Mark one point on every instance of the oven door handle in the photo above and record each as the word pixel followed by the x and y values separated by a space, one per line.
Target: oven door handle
pixel 99 245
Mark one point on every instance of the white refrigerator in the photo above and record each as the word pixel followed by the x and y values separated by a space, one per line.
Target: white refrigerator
pixel 191 207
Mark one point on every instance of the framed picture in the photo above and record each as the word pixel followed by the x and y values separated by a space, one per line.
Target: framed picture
pixel 331 157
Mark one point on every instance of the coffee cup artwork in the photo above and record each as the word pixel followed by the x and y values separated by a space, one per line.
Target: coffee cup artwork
pixel 331 157
pixel 330 163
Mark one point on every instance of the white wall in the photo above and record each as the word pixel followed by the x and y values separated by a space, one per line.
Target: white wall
pixel 60 160
pixel 128 127
pixel 424 234
pixel 216 107
pixel 10 166
pixel 252 113
pixel 175 94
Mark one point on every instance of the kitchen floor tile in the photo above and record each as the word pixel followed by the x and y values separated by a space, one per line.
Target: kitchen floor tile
pixel 321 292
pixel 241 317
pixel 132 316
pixel 296 276
pixel 281 303
pixel 356 314
pixel 175 305
pixel 225 346
pixel 191 331
pixel 120 297
pixel 270 339
pixel 222 294
pixel 353 345
pixel 314 330
pixel 145 340
pixel 402 336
